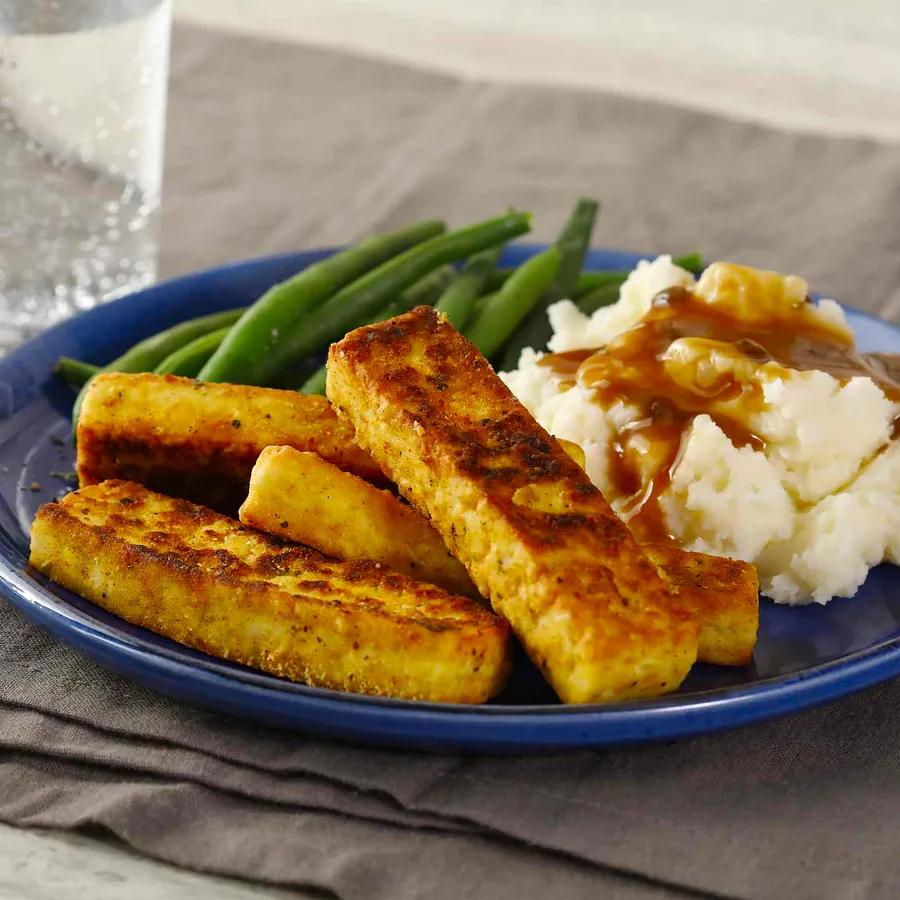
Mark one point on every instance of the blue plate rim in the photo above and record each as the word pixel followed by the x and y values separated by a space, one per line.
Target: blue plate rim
pixel 526 248
pixel 660 718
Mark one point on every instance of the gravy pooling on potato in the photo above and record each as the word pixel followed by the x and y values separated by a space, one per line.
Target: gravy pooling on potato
pixel 688 356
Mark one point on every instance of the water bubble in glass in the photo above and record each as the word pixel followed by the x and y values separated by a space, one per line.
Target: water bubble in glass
pixel 82 112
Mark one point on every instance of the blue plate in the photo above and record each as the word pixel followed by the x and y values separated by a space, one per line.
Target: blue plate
pixel 805 655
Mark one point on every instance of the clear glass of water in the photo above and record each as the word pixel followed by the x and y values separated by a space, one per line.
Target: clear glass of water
pixel 82 115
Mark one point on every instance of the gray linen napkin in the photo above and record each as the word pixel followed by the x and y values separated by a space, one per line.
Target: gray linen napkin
pixel 274 147
pixel 804 806
pixel 331 856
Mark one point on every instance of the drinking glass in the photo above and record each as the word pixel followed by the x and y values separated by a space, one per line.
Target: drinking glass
pixel 82 117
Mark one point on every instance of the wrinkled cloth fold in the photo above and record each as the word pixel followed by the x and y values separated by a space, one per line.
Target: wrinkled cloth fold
pixel 274 147
pixel 796 806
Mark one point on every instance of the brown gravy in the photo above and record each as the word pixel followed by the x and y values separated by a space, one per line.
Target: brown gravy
pixel 631 369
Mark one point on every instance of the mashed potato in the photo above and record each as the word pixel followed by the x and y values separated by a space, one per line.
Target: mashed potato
pixel 813 509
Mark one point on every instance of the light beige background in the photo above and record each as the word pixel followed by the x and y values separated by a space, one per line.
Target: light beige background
pixel 830 66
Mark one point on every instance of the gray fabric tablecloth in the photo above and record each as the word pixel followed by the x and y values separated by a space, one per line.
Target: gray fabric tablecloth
pixel 277 147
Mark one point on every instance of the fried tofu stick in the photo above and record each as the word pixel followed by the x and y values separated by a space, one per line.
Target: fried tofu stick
pixel 721 594
pixel 305 499
pixel 200 441
pixel 535 535
pixel 574 450
pixel 203 580
pixel 301 497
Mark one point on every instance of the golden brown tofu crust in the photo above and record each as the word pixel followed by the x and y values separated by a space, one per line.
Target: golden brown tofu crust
pixel 303 498
pixel 204 580
pixel 721 594
pixel 537 537
pixel 200 440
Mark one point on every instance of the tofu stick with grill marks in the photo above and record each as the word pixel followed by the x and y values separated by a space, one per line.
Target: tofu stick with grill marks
pixel 305 499
pixel 204 580
pixel 535 535
pixel 199 441
pixel 301 497
pixel 721 594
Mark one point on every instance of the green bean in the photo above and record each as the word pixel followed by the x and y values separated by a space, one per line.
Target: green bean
pixel 315 384
pixel 604 295
pixel 188 360
pixel 252 353
pixel 591 281
pixel 457 301
pixel 693 262
pixel 147 354
pixel 506 309
pixel 587 281
pixel 573 243
pixel 75 372
pixel 497 279
pixel 479 305
pixel 424 292
pixel 593 290
pixel 363 298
